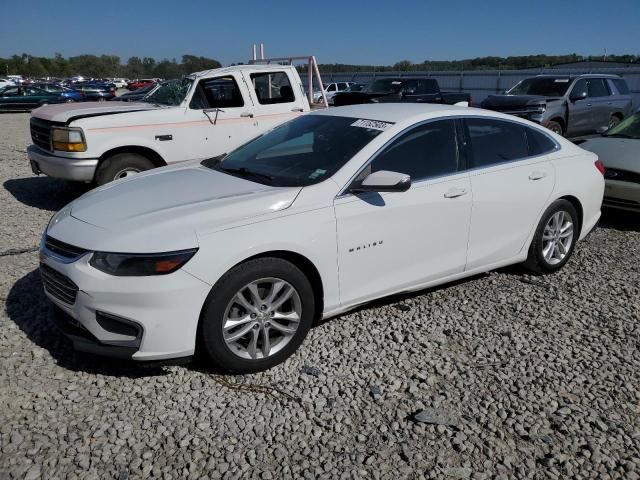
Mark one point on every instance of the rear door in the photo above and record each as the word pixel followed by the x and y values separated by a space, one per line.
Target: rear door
pixel 275 96
pixel 510 188
pixel 600 99
pixel 11 98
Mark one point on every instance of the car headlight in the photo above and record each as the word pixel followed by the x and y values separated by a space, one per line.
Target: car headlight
pixel 58 217
pixel 68 139
pixel 140 264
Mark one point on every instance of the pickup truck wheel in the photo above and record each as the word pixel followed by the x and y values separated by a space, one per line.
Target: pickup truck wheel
pixel 555 127
pixel 256 315
pixel 120 166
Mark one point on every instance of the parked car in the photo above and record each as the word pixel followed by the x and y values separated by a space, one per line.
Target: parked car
pixel 205 114
pixel 95 92
pixel 136 84
pixel 567 105
pixel 401 90
pixel 330 89
pixel 619 151
pixel 120 82
pixel 313 218
pixel 136 95
pixel 68 93
pixel 5 82
pixel 26 97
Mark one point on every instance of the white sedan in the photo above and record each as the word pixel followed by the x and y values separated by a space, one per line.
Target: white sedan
pixel 238 255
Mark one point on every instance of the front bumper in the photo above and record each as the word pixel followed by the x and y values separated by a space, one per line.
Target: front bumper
pixel 622 195
pixel 76 169
pixel 162 310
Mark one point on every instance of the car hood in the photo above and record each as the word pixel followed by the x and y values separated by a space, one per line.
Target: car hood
pixel 67 112
pixel 517 100
pixel 165 209
pixel 620 153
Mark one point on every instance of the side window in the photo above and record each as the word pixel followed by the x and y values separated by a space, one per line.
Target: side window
pixel 597 87
pixel 621 86
pixel 272 87
pixel 495 141
pixel 426 151
pixel 220 92
pixel 579 87
pixel 10 92
pixel 342 86
pixel 538 142
pixel 332 88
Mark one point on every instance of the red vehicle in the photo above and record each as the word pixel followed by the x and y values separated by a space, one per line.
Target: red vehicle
pixel 136 84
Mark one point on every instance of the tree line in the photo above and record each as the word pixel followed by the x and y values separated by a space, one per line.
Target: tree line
pixel 103 66
pixel 135 67
pixel 480 63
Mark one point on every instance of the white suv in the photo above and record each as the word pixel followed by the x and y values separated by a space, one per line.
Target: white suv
pixel 330 89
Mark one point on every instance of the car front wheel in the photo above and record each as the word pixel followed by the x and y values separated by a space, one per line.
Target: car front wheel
pixel 555 238
pixel 257 315
pixel 120 166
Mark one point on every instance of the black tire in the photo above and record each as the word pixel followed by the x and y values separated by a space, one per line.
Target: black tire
pixel 555 127
pixel 211 339
pixel 116 167
pixel 536 261
pixel 613 121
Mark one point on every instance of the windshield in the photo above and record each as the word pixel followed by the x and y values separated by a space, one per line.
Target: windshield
pixel 629 128
pixel 384 85
pixel 302 152
pixel 547 87
pixel 171 93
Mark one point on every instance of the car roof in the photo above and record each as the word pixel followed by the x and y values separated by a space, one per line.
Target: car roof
pixel 583 75
pixel 398 112
pixel 235 68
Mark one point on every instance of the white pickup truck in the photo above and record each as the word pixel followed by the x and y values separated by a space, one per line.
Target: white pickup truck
pixel 200 116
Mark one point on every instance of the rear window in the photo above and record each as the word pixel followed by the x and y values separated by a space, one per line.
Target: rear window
pixel 272 87
pixel 538 142
pixel 495 141
pixel 621 86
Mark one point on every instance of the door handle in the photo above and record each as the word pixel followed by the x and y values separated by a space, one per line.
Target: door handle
pixel 609 103
pixel 537 175
pixel 455 192
pixel 589 105
pixel 246 115
pixel 297 109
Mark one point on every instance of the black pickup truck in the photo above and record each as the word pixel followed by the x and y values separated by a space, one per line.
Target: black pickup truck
pixel 395 90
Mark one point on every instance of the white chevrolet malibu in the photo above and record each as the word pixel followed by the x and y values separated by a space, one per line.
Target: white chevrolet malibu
pixel 237 256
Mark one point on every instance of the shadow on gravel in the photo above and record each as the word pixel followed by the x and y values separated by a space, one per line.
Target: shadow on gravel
pixel 620 220
pixel 28 307
pixel 43 192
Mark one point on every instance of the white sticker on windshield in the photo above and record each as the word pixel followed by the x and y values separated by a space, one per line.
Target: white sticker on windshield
pixel 374 124
pixel 561 80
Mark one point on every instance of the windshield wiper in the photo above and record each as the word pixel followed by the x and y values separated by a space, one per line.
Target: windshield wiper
pixel 244 172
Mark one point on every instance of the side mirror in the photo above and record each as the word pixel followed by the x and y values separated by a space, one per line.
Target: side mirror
pixel 383 181
pixel 575 96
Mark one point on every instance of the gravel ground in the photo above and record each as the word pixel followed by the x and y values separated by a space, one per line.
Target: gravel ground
pixel 502 376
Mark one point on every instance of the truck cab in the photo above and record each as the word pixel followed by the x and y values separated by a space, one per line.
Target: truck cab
pixel 203 115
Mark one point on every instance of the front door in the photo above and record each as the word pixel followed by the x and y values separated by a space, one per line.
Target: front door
pixel 218 118
pixel 391 241
pixel 580 111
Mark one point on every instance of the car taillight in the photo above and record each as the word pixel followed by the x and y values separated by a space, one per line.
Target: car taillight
pixel 470 100
pixel 600 166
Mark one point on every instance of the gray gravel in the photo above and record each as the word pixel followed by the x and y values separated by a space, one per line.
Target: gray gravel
pixel 502 376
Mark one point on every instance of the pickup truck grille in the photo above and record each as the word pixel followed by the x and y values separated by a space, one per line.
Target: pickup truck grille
pixel 621 175
pixel 41 133
pixel 58 285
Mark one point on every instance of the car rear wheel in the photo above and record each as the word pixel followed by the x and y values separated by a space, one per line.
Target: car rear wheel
pixel 554 239
pixel 555 127
pixel 120 166
pixel 257 315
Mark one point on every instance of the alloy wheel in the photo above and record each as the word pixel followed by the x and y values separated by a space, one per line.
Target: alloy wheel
pixel 557 237
pixel 262 318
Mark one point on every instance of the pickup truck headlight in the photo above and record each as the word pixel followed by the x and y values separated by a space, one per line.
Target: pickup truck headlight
pixel 68 139
pixel 140 264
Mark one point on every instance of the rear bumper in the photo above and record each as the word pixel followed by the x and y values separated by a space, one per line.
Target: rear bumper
pixel 622 195
pixel 76 169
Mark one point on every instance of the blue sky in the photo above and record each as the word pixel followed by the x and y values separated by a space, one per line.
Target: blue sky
pixel 349 31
